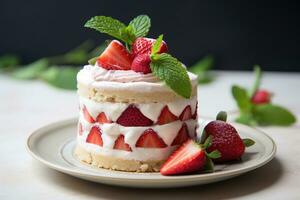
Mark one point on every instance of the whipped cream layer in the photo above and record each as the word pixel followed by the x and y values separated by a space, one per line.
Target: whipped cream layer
pixel 150 110
pixel 98 77
pixel 111 131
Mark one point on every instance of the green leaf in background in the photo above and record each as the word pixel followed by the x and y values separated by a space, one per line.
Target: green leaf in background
pixel 9 62
pixel 61 76
pixel 141 25
pixel 98 50
pixel 246 118
pixel 202 67
pixel 241 97
pixel 31 70
pixel 268 114
pixel 256 85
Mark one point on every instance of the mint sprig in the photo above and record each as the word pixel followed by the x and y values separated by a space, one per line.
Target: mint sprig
pixel 259 114
pixel 170 70
pixel 138 27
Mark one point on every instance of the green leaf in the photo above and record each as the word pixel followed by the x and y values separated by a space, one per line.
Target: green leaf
pixel 97 51
pixel 92 61
pixel 269 114
pixel 32 70
pixel 255 87
pixel 141 25
pixel 156 45
pixel 108 25
pixel 128 35
pixel 209 165
pixel 248 142
pixel 203 65
pixel 170 70
pixel 208 142
pixel 241 97
pixel 247 119
pixel 9 62
pixel 214 154
pixel 61 76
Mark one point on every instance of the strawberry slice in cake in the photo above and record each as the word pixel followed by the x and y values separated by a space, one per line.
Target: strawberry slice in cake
pixel 137 102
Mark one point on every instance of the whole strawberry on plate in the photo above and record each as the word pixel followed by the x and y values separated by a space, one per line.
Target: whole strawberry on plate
pixel 225 139
pixel 190 157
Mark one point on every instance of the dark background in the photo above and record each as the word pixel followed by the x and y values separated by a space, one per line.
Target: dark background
pixel 238 33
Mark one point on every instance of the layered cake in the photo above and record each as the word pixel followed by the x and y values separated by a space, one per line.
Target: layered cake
pixel 132 115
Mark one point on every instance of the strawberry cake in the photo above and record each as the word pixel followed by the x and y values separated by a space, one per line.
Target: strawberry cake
pixel 137 102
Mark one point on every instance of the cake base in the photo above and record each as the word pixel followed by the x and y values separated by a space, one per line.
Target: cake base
pixel 119 164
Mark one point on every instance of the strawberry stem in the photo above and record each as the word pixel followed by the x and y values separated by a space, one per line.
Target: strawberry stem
pixel 255 87
pixel 222 115
pixel 248 142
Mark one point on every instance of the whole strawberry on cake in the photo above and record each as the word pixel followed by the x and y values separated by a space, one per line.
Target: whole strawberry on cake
pixel 137 102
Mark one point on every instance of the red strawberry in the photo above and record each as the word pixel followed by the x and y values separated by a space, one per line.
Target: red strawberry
pixel 143 46
pixel 189 157
pixel 102 119
pixel 115 57
pixel 87 115
pixel 166 116
pixel 182 135
pixel 150 139
pixel 141 63
pixel 94 136
pixel 186 114
pixel 132 116
pixel 121 145
pixel 261 97
pixel 225 139
pixel 80 129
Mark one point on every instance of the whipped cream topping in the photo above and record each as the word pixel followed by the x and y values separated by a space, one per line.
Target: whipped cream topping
pixel 98 77
pixel 110 133
pixel 150 110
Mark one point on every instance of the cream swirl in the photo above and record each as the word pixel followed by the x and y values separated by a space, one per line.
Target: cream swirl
pixel 123 76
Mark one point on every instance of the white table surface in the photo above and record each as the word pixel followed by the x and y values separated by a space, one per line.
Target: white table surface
pixel 27 105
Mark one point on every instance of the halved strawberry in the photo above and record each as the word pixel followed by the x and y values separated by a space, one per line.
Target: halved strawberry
pixel 102 119
pixel 150 139
pixel 166 116
pixel 189 157
pixel 115 57
pixel 141 63
pixel 94 136
pixel 143 45
pixel 87 115
pixel 132 116
pixel 182 135
pixel 186 114
pixel 121 145
pixel 80 129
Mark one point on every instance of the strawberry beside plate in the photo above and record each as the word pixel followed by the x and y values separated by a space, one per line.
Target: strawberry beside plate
pixel 53 146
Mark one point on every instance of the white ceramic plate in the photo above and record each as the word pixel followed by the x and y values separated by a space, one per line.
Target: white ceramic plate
pixel 53 145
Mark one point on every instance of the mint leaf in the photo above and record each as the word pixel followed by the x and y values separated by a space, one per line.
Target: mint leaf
pixel 170 70
pixel 61 76
pixel 247 119
pixel 257 72
pixel 202 67
pixel 92 61
pixel 140 25
pixel 241 97
pixel 268 114
pixel 214 154
pixel 156 46
pixel 9 61
pixel 248 142
pixel 32 70
pixel 108 25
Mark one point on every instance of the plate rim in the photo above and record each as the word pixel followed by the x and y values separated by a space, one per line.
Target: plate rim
pixel 136 176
